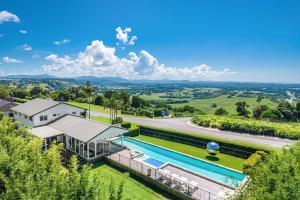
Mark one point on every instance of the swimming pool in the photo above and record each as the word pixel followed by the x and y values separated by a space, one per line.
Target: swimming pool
pixel 210 170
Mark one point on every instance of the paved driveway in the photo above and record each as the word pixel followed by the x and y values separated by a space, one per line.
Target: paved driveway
pixel 184 124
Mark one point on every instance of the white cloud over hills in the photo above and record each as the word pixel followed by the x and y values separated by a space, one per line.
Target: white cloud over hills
pixel 100 60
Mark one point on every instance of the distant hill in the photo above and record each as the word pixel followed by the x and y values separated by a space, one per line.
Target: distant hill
pixel 121 81
pixel 39 76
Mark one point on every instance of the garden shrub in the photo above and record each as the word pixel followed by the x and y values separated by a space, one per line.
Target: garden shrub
pixel 126 125
pixel 1 115
pixel 251 162
pixel 133 133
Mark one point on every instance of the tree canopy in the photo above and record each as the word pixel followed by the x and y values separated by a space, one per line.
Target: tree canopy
pixel 27 172
pixel 277 177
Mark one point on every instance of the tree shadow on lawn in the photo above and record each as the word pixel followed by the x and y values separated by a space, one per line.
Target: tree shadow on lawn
pixel 212 158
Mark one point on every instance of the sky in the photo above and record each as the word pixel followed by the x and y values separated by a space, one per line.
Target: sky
pixel 222 40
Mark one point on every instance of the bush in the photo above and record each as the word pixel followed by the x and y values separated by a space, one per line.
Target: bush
pixel 18 100
pixel 126 125
pixel 133 133
pixel 221 111
pixel 251 162
pixel 1 115
pixel 81 100
pixel 251 126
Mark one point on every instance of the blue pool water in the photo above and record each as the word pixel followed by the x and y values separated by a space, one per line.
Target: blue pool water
pixel 218 173
pixel 154 162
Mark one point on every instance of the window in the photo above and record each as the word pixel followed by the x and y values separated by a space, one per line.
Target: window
pixel 43 118
pixel 30 118
pixel 74 113
pixel 54 115
pixel 25 116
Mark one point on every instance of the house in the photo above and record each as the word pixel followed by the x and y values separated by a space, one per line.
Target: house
pixel 38 112
pixel 56 121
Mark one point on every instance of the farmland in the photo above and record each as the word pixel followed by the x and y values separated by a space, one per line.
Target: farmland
pixel 207 106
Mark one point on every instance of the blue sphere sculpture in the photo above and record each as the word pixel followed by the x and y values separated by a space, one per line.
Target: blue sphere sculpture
pixel 213 148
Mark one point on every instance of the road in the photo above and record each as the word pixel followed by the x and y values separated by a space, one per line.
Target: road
pixel 184 124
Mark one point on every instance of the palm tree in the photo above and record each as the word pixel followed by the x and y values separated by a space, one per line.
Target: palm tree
pixel 88 91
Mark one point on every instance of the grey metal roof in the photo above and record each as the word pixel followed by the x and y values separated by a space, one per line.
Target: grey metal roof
pixel 45 131
pixel 83 129
pixel 35 106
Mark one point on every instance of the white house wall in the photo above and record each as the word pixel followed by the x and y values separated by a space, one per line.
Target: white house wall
pixel 58 110
pixel 23 119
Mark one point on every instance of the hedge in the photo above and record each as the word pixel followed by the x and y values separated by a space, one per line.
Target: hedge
pixel 251 126
pixel 253 160
pixel 126 125
pixel 133 132
pixel 235 148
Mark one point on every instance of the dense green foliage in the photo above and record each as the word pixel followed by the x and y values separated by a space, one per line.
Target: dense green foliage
pixel 221 111
pixel 27 172
pixel 276 177
pixel 258 110
pixel 246 125
pixel 241 108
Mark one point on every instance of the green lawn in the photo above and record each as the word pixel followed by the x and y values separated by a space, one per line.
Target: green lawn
pixel 101 119
pixel 133 189
pixel 86 106
pixel 223 159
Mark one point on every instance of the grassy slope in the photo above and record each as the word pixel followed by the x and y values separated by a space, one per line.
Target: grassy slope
pixel 225 160
pixel 133 189
pixel 221 101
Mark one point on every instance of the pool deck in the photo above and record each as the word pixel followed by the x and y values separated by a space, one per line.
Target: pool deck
pixel 208 189
pixel 210 186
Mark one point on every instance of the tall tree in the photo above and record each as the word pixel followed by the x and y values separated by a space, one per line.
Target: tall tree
pixel 3 92
pixel 257 111
pixel 241 109
pixel 88 91
pixel 36 91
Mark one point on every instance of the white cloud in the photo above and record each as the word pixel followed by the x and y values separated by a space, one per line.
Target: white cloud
pixel 6 16
pixel 11 60
pixel 123 37
pixel 25 47
pixel 23 31
pixel 64 41
pixel 132 40
pixel 100 60
pixel 35 55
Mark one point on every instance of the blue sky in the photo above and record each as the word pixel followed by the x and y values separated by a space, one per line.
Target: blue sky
pixel 196 40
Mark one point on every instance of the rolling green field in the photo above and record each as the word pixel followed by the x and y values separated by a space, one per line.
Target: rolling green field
pixel 221 101
pixel 86 106
pixel 221 159
pixel 133 189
